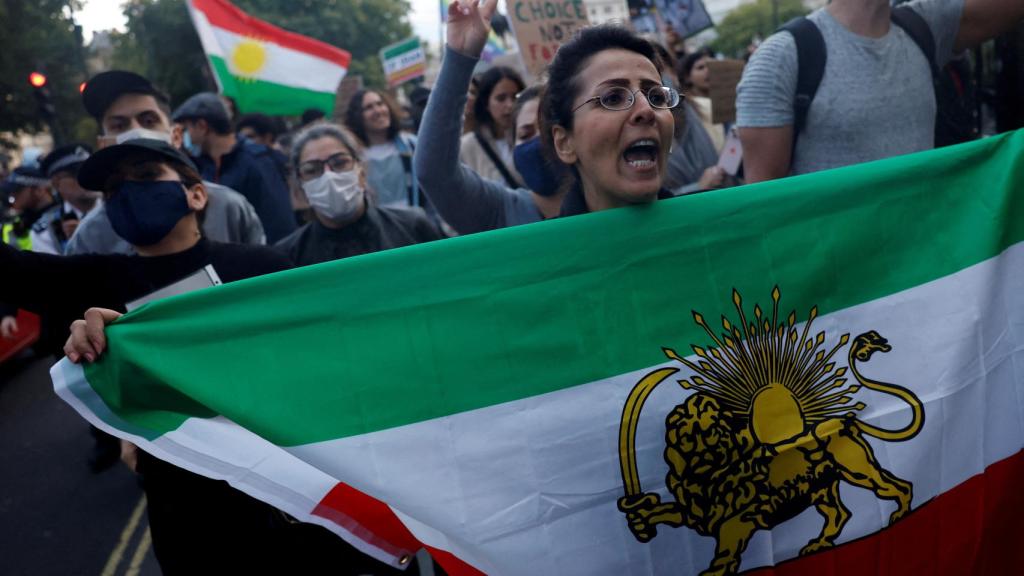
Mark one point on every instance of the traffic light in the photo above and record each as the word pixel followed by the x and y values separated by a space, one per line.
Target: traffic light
pixel 42 94
pixel 37 79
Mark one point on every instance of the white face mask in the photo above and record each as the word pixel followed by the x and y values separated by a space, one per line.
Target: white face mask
pixel 137 133
pixel 337 196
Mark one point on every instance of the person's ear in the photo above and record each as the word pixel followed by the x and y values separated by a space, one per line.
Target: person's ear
pixel 196 196
pixel 177 135
pixel 362 176
pixel 565 146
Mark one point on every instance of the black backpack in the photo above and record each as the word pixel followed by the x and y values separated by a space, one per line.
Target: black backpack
pixel 955 120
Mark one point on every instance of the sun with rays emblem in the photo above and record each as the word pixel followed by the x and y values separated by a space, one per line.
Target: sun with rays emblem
pixel 249 57
pixel 769 429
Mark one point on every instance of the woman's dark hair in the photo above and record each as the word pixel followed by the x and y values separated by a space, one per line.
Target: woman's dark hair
pixel 686 66
pixel 563 87
pixel 531 93
pixel 261 124
pixel 485 87
pixel 354 115
pixel 146 167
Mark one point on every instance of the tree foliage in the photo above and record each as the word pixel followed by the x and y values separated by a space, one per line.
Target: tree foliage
pixel 750 21
pixel 40 36
pixel 162 44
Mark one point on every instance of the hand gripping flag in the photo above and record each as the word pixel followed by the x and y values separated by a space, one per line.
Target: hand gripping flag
pixel 816 375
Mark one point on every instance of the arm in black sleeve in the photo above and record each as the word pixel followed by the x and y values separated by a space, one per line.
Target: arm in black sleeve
pixel 56 287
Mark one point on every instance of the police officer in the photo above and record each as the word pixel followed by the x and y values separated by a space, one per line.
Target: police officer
pixel 31 201
pixel 61 167
pixel 27 193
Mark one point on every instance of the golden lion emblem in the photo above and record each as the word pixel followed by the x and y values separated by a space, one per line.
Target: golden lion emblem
pixel 770 431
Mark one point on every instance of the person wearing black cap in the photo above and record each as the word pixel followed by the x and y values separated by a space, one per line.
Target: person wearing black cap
pixel 61 167
pixel 127 106
pixel 153 194
pixel 245 166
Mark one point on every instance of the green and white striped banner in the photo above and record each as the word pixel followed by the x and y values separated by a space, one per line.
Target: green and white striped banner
pixel 479 395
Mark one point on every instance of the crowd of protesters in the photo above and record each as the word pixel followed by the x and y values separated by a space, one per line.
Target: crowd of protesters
pixel 619 121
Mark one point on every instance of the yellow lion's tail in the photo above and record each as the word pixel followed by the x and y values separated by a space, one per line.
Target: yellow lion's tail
pixel 916 421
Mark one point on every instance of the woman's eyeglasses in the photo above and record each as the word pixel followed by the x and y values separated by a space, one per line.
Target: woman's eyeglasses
pixel 340 162
pixel 622 98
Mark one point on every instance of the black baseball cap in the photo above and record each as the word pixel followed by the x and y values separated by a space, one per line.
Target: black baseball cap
pixel 104 88
pixel 65 158
pixel 94 173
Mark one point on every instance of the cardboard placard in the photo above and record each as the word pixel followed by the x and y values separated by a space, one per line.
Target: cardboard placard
pixel 541 26
pixel 724 76
pixel 403 61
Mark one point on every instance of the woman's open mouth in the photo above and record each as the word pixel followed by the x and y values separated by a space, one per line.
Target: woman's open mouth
pixel 642 154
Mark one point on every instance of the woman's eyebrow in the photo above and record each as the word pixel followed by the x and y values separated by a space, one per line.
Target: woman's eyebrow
pixel 624 82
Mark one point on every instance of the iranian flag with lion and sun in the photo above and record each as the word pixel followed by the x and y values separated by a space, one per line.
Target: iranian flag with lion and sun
pixel 820 375
pixel 264 68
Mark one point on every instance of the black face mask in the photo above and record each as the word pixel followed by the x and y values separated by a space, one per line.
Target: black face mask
pixel 143 213
pixel 539 174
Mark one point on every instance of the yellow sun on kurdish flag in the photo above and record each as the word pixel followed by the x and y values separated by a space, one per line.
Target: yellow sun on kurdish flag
pixel 249 57
pixel 264 68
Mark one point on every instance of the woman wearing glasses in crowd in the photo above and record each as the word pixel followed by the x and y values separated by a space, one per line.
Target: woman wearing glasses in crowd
pixel 467 201
pixel 329 165
pixel 607 115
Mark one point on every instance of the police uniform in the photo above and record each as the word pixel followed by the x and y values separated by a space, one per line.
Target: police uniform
pixel 48 232
pixel 17 230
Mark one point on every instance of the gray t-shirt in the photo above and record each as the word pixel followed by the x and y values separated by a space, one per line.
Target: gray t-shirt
pixel 229 218
pixel 875 100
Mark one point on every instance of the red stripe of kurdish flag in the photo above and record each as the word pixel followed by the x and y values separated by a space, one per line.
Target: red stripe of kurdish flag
pixel 223 14
pixel 944 536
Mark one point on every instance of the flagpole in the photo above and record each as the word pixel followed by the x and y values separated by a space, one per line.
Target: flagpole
pixel 440 28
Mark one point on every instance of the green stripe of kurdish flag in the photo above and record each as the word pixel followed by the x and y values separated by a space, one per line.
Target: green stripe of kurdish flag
pixel 268 97
pixel 406 335
pixel 399 49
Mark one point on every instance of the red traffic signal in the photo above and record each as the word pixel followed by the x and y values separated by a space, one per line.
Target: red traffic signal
pixel 37 79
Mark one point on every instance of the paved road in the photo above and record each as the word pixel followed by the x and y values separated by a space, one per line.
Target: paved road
pixel 56 517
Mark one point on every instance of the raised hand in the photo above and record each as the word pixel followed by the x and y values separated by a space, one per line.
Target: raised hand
pixel 469 23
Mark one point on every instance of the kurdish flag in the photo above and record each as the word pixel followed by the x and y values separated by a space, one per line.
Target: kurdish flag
pixel 264 68
pixel 817 375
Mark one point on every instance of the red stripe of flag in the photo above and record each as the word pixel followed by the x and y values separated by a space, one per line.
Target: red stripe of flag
pixel 974 528
pixel 223 14
pixel 374 522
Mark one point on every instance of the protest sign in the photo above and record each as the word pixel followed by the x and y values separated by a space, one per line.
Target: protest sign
pixel 687 17
pixel 403 61
pixel 724 75
pixel 541 26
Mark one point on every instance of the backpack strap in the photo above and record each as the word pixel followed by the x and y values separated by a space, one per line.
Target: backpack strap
pixel 811 56
pixel 915 26
pixel 509 179
pixel 412 185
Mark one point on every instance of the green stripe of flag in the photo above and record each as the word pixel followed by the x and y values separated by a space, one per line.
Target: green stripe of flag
pixel 400 48
pixel 268 97
pixel 421 332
